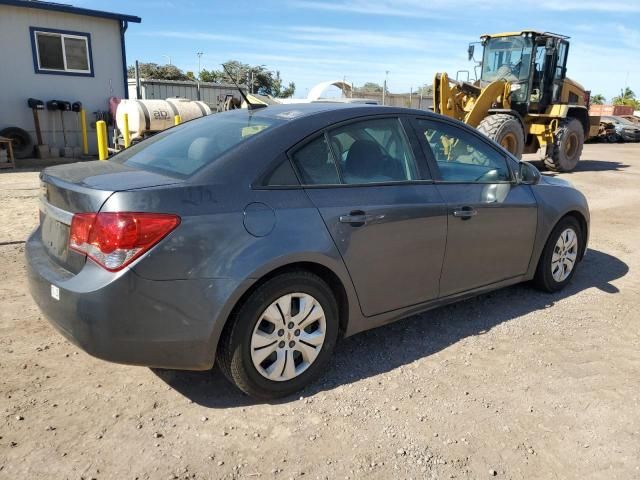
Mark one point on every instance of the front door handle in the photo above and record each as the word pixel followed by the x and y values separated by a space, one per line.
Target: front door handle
pixel 357 218
pixel 465 213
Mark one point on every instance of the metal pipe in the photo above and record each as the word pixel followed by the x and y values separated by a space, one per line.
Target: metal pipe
pixel 138 87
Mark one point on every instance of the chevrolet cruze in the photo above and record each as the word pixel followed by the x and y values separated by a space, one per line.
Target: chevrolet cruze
pixel 258 238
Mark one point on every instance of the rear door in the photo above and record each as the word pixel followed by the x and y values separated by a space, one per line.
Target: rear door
pixel 492 220
pixel 381 208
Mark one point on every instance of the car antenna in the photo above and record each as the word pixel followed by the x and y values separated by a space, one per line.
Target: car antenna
pixel 250 106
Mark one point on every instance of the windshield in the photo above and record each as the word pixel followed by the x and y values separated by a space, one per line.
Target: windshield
pixel 183 150
pixel 507 58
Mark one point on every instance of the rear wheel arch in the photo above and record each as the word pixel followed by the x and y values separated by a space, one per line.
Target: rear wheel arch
pixel 322 271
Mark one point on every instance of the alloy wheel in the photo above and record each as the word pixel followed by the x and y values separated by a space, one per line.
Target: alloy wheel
pixel 288 337
pixel 565 254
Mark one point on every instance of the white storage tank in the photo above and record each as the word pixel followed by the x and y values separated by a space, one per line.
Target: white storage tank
pixel 150 116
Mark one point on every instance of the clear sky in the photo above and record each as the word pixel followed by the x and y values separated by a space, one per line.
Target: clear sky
pixel 310 41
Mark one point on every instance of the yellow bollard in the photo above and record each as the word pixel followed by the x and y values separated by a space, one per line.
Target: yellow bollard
pixel 126 134
pixel 177 120
pixel 83 127
pixel 101 130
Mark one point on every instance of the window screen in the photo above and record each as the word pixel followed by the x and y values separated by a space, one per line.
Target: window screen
pixel 50 51
pixel 76 53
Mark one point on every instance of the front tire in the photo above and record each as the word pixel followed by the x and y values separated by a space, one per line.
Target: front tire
pixel 560 256
pixel 506 130
pixel 566 151
pixel 281 337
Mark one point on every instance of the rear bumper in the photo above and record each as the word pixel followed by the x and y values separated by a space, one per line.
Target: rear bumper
pixel 124 318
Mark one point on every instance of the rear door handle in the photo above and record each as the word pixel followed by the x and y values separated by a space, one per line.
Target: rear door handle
pixel 465 213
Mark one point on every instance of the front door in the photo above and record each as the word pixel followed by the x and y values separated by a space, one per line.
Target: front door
pixel 491 219
pixel 388 224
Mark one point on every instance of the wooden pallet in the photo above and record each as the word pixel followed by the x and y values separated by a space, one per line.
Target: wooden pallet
pixel 12 161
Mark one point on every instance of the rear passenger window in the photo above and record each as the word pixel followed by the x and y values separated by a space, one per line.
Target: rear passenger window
pixel 281 176
pixel 315 163
pixel 373 151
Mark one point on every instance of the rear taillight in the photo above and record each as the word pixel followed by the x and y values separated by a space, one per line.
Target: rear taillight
pixel 114 240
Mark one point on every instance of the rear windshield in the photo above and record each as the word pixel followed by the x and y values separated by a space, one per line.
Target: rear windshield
pixel 183 150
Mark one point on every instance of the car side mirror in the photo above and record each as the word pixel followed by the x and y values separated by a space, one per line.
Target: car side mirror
pixel 470 51
pixel 528 174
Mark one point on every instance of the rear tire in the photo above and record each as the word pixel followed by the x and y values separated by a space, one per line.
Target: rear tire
pixel 560 255
pixel 506 130
pixel 566 151
pixel 240 345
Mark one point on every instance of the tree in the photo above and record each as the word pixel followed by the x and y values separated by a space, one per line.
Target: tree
pixel 279 91
pixel 370 87
pixel 158 72
pixel 598 99
pixel 426 90
pixel 209 76
pixel 258 78
pixel 627 97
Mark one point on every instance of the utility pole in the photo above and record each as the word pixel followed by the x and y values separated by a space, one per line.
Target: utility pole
pixel 384 87
pixel 168 57
pixel 199 54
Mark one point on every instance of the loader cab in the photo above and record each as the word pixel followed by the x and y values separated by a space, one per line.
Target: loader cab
pixel 533 63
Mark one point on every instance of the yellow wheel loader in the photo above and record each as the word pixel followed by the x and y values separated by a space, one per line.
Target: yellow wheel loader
pixel 523 99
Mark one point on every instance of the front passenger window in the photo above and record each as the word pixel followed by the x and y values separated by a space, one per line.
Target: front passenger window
pixel 461 157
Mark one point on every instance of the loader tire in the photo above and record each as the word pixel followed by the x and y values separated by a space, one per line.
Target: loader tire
pixel 567 148
pixel 506 130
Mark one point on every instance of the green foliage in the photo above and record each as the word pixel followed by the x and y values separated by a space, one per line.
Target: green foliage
pixel 209 76
pixel 258 78
pixel 598 99
pixel 369 87
pixel 426 90
pixel 158 72
pixel 627 97
pixel 265 82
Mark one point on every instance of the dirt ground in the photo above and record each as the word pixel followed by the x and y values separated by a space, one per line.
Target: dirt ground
pixel 513 384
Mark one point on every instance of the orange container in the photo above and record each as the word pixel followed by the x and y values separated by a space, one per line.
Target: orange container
pixel 598 110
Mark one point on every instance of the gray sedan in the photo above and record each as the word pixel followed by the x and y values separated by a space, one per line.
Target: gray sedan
pixel 261 237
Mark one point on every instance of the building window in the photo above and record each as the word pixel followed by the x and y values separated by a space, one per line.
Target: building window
pixel 61 52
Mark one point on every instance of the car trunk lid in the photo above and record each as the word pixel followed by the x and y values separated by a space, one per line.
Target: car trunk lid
pixel 83 187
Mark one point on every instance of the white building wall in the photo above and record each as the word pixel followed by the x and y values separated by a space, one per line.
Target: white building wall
pixel 18 80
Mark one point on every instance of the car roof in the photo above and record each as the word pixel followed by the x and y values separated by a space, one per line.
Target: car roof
pixel 294 111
